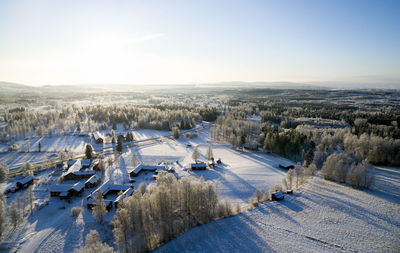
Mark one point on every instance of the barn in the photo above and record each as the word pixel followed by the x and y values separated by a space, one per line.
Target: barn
pixel 74 172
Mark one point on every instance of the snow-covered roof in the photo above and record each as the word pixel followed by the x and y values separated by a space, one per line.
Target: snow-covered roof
pixel 71 162
pixel 85 162
pixel 74 168
pixel 141 167
pixel 126 193
pixel 26 180
pixel 107 187
pixel 92 179
pixel 78 186
pixel 60 187
pixel 97 135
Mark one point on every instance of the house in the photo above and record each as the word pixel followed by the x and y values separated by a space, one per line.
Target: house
pixel 199 166
pixel 25 182
pixel 98 137
pixel 92 181
pixel 287 167
pixel 125 194
pixel 277 196
pixel 140 168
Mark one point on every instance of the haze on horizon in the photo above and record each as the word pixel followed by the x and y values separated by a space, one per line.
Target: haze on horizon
pixel 170 42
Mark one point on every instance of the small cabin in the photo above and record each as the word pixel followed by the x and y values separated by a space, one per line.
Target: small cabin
pixel 77 189
pixel 199 166
pixel 77 175
pixel 277 196
pixel 287 167
pixel 98 137
pixel 56 190
pixel 25 182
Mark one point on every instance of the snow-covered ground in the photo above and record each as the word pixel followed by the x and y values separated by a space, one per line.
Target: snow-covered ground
pixel 321 217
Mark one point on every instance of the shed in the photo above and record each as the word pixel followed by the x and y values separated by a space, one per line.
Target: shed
pixel 199 166
pixel 277 196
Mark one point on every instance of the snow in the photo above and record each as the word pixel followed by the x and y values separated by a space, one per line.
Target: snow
pixel 322 216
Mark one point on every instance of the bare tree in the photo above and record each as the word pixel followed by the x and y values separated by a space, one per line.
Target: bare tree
pixel 99 209
pixel 196 154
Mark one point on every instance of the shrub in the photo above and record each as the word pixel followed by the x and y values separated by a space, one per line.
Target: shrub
pixel 75 211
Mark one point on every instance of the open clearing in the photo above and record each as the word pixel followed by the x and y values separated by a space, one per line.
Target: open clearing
pixel 321 217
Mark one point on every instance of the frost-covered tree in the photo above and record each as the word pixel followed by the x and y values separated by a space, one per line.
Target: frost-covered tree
pixel 99 210
pixel 3 212
pixel 27 169
pixel 209 153
pixel 15 212
pixel 3 172
pixel 196 154
pixel 93 244
pixel 175 133
pixel 134 160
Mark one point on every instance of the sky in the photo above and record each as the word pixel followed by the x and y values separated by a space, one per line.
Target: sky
pixel 47 42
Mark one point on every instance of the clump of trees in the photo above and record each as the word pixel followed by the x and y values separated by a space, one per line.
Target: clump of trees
pixel 161 212
pixel 342 168
pixel 93 244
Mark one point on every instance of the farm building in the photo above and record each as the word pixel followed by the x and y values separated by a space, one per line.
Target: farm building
pixel 286 167
pixel 98 137
pixel 199 166
pixel 140 168
pixel 92 181
pixel 25 182
pixel 106 189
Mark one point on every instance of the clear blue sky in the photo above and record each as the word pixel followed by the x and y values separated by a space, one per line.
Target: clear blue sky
pixel 71 42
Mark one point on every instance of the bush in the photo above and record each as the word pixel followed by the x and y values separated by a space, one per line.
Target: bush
pixel 75 211
pixel 94 245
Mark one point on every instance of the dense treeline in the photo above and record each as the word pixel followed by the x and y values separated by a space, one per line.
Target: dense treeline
pixel 153 216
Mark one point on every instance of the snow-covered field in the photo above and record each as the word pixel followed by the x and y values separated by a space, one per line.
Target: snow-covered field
pixel 321 217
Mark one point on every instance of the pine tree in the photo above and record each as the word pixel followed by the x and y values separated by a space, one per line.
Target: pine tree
pixel 39 147
pixel 89 151
pixel 119 145
pixel 209 153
